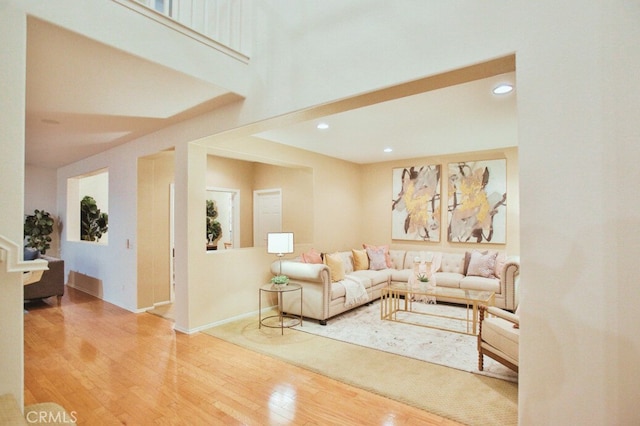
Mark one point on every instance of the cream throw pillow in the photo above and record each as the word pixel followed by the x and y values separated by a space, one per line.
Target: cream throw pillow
pixel 360 260
pixel 336 267
pixel 482 265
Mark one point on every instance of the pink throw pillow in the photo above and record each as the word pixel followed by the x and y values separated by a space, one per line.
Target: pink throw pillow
pixel 312 257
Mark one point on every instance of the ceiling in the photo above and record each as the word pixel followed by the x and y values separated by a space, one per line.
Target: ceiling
pixel 462 118
pixel 84 97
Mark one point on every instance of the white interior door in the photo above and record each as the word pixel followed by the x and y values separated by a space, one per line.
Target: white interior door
pixel 267 214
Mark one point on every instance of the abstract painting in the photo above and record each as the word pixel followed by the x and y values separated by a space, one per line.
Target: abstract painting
pixel 415 209
pixel 478 201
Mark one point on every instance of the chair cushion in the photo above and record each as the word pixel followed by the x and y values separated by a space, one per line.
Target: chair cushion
pixel 501 335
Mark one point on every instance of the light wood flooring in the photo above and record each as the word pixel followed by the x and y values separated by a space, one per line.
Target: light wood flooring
pixel 109 367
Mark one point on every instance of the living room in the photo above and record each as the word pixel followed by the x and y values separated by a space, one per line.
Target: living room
pixel 576 109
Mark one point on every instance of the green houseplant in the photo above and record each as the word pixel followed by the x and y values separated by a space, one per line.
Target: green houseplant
pixel 280 280
pixel 37 228
pixel 93 223
pixel 214 229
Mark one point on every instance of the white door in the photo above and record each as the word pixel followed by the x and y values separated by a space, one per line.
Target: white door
pixel 267 214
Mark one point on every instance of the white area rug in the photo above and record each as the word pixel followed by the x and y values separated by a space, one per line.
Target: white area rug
pixel 363 326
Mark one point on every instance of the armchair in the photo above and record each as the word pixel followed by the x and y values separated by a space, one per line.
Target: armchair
pixel 498 337
pixel 51 283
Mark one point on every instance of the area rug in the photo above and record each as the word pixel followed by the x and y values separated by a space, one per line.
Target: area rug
pixel 364 327
pixel 451 393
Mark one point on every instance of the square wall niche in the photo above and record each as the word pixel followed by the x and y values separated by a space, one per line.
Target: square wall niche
pixel 94 185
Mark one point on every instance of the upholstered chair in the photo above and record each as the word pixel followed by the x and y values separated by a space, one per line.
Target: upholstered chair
pixel 498 337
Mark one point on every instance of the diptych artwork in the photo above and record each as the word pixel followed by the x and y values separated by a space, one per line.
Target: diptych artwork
pixel 416 203
pixel 477 201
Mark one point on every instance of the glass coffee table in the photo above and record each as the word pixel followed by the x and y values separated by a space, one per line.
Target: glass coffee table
pixel 400 299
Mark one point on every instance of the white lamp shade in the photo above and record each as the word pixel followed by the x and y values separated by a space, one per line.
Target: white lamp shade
pixel 280 242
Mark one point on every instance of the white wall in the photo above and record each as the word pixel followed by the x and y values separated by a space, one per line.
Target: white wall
pixel 578 132
pixel 12 118
pixel 40 193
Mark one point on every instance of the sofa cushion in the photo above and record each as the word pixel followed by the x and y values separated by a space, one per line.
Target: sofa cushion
pixel 401 275
pixel 336 266
pixel 397 259
pixel 360 260
pixel 448 279
pixel 452 262
pixel 30 253
pixel 482 265
pixel 480 283
pixel 374 277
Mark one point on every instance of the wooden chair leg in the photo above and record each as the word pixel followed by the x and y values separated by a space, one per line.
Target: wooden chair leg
pixel 59 298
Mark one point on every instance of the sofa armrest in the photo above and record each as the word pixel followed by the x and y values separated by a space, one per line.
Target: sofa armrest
pixel 315 279
pixel 505 315
pixel 51 283
pixel 508 282
pixel 299 271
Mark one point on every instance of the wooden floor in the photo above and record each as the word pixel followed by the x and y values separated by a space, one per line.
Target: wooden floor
pixel 108 366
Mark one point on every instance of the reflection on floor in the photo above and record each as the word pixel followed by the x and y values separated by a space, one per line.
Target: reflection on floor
pixel 164 311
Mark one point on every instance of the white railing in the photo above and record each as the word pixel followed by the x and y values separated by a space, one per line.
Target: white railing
pixel 223 22
pixel 10 257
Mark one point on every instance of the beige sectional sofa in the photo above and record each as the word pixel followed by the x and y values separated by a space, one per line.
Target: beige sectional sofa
pixel 326 297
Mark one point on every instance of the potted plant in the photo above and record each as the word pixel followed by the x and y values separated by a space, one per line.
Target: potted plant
pixel 93 223
pixel 280 280
pixel 37 228
pixel 423 278
pixel 214 229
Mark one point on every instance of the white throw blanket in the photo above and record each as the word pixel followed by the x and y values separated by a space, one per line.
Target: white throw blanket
pixel 355 292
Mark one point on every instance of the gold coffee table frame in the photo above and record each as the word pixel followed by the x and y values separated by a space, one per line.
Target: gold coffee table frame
pixel 400 298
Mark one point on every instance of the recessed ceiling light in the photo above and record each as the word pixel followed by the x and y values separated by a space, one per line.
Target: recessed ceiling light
pixel 322 126
pixel 502 89
pixel 388 150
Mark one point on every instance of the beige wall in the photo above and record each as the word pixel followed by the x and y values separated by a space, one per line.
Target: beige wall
pixel 296 184
pixel 377 195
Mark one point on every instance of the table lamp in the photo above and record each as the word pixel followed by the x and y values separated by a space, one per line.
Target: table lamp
pixel 279 243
